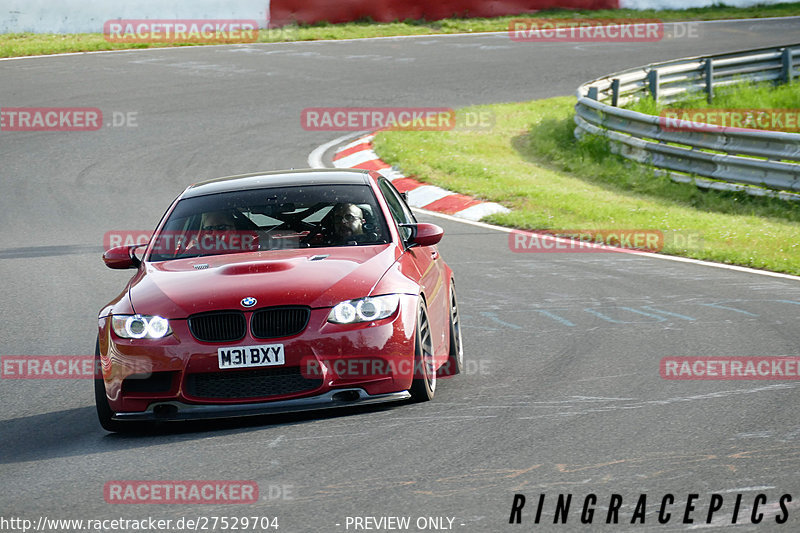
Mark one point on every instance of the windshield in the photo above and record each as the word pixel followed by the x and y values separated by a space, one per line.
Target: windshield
pixel 271 219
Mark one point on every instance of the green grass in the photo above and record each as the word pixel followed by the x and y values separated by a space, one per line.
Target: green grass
pixel 16 45
pixel 530 162
pixel 745 95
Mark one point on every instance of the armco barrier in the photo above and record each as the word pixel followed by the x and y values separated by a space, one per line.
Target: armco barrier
pixel 746 157
pixel 309 11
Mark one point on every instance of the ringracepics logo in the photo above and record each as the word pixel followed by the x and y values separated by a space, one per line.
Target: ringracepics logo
pixel 181 492
pixel 717 119
pixel 652 509
pixel 586 30
pixel 730 368
pixel 181 31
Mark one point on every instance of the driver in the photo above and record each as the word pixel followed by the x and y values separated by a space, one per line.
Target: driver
pixel 347 223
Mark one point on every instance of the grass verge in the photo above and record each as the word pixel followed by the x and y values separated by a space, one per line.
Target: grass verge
pixel 756 96
pixel 530 162
pixel 25 44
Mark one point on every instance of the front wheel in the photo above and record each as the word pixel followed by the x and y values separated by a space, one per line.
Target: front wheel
pixel 455 361
pixel 424 384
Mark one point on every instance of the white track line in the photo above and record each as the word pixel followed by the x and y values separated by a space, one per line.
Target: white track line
pixel 420 196
pixel 349 161
pixel 428 35
pixel 633 252
pixel 316 155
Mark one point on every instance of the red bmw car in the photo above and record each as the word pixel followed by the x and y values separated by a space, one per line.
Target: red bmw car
pixel 277 292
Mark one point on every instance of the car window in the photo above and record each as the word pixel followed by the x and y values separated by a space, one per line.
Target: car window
pixel 398 207
pixel 271 219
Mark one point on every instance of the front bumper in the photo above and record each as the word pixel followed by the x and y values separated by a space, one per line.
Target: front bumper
pixel 153 379
pixel 330 400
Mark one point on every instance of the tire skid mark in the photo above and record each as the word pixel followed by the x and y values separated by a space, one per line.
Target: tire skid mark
pixel 620 474
pixel 639 404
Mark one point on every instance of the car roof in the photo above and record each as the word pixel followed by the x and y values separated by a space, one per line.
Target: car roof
pixel 280 178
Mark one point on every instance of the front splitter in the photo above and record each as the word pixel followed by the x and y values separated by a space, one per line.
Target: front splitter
pixel 165 411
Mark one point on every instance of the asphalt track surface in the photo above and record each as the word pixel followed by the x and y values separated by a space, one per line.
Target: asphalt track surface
pixel 562 393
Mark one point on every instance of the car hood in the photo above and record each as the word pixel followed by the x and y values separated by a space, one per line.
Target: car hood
pixel 318 277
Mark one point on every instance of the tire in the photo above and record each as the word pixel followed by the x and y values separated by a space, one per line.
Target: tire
pixel 455 363
pixel 423 386
pixel 104 412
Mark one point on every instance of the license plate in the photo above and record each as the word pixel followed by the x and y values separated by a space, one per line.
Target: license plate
pixel 251 356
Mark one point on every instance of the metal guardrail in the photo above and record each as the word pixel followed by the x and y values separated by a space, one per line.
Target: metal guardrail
pixel 745 157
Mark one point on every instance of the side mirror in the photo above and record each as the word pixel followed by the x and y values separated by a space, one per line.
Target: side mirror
pixel 121 257
pixel 426 234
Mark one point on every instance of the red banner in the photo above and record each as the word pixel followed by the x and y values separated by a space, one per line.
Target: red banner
pixel 309 11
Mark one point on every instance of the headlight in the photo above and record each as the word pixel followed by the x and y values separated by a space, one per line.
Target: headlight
pixel 364 309
pixel 140 326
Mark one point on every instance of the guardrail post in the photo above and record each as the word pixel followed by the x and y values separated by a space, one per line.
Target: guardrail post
pixel 787 69
pixel 762 158
pixel 615 92
pixel 708 68
pixel 652 83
